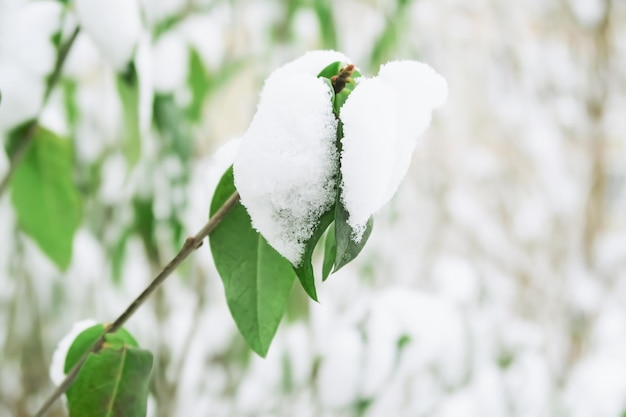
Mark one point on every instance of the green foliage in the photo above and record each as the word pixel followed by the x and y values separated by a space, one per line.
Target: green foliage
pixel 128 90
pixel 198 81
pixel 174 127
pixel 145 224
pixel 257 279
pixel 117 254
pixel 202 82
pixel 69 101
pixel 346 248
pixel 340 248
pixel 330 252
pixel 47 204
pixel 113 381
pixel 325 16
pixel 305 271
pixel 387 42
pixel 85 340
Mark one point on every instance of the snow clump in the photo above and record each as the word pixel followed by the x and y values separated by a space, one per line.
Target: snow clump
pixel 287 161
pixel 115 26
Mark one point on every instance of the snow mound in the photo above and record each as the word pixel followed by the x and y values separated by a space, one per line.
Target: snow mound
pixel 286 165
pixel 114 25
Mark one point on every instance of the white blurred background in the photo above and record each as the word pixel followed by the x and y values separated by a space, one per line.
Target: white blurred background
pixel 494 284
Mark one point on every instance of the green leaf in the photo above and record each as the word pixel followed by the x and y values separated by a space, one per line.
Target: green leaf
pixel 257 279
pixel 117 253
pixel 112 382
pixel 331 70
pixel 48 206
pixel 145 224
pixel 330 252
pixel 198 81
pixel 347 248
pixel 172 123
pixel 85 340
pixel 326 19
pixel 70 102
pixel 305 271
pixel 386 44
pixel 128 90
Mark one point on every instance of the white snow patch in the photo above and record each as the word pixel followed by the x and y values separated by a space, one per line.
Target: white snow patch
pixel 596 386
pixel 169 62
pixel 285 166
pixel 26 57
pixel 340 370
pixel 114 25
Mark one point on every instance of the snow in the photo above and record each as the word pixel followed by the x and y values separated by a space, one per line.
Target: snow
pixel 382 120
pixel 114 25
pixel 169 62
pixel 285 166
pixel 597 386
pixel 340 369
pixel 25 63
pixel 588 12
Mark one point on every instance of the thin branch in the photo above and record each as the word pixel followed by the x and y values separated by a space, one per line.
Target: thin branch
pixel 29 134
pixel 191 244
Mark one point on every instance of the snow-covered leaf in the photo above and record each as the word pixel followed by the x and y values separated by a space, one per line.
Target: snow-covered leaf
pixel 286 166
pixel 114 26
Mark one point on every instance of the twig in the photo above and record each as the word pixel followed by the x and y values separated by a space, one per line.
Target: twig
pixel 29 134
pixel 191 244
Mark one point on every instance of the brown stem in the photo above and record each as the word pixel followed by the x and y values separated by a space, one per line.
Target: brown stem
pixel 340 80
pixel 191 244
pixel 29 134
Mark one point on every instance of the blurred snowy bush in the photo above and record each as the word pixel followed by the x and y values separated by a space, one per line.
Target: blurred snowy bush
pixel 493 286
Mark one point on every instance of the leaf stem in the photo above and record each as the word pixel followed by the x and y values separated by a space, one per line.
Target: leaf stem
pixel 29 134
pixel 190 245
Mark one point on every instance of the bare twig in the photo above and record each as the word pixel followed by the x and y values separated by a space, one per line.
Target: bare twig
pixel 191 244
pixel 29 133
